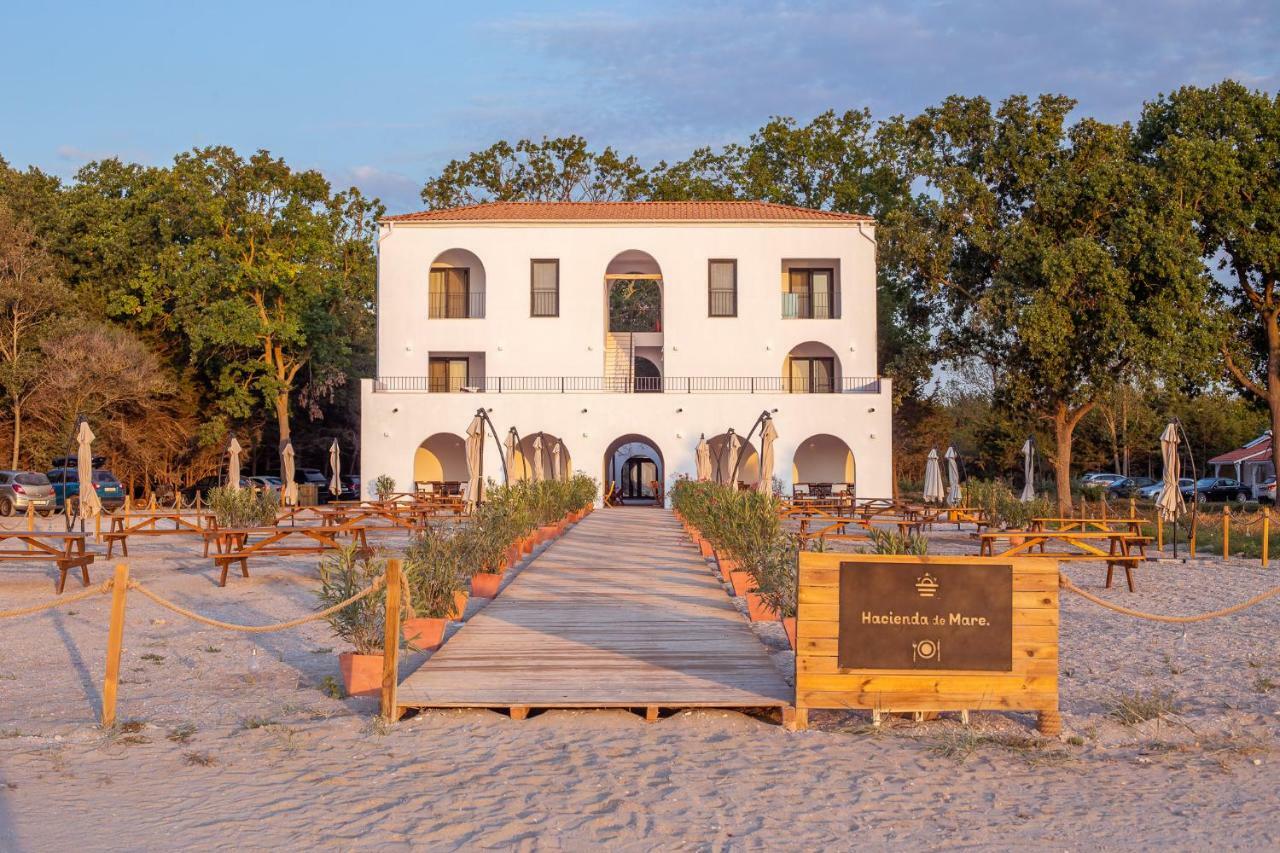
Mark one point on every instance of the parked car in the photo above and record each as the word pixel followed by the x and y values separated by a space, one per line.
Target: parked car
pixel 1152 492
pixel 1265 492
pixel 1129 486
pixel 1100 478
pixel 204 484
pixel 317 478
pixel 350 487
pixel 66 485
pixel 22 489
pixel 1218 489
pixel 265 483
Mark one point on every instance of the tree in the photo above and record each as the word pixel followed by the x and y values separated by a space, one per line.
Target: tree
pixel 1219 149
pixel 30 299
pixel 1061 264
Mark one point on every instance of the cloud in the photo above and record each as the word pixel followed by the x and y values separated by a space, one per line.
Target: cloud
pixel 397 191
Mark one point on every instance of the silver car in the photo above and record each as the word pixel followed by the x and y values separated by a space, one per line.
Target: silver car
pixel 22 489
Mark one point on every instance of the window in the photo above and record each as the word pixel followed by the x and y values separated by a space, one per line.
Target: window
pixel 722 288
pixel 450 293
pixel 810 295
pixel 544 298
pixel 447 375
pixel 811 375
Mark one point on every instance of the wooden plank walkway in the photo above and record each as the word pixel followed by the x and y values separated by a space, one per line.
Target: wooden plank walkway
pixel 621 612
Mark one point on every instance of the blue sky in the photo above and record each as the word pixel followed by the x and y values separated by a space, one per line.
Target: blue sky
pixel 382 95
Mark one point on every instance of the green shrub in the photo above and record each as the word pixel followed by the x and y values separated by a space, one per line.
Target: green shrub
pixel 384 486
pixel 234 508
pixel 893 542
pixel 343 574
pixel 435 565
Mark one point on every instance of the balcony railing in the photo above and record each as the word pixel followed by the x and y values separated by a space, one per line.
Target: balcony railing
pixel 544 303
pixel 456 306
pixel 631 384
pixel 810 306
pixel 722 303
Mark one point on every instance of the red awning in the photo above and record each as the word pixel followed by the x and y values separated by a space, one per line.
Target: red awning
pixel 1258 450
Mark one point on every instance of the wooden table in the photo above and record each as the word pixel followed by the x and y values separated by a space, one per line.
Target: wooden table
pixel 1088 545
pixel 147 523
pixel 1082 525
pixel 66 550
pixel 239 545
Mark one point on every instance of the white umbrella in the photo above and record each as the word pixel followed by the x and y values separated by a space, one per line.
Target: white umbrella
pixel 537 459
pixel 953 478
pixel 510 453
pixel 557 469
pixel 1170 500
pixel 767 436
pixel 290 495
pixel 731 467
pixel 933 493
pixel 233 463
pixel 90 504
pixel 703 459
pixel 335 468
pixel 1029 470
pixel 475 458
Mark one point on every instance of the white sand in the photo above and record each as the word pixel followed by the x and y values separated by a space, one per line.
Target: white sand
pixel 320 771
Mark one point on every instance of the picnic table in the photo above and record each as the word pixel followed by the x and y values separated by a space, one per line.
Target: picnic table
pixel 1102 525
pixel 147 522
pixel 1121 546
pixel 239 545
pixel 65 550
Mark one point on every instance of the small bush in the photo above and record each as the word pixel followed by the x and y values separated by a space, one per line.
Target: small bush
pixel 435 565
pixel 893 542
pixel 343 574
pixel 234 508
pixel 384 486
pixel 1140 707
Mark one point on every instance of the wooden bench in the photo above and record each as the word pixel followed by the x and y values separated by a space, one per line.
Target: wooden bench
pixel 65 550
pixel 240 546
pixel 1120 552
pixel 146 523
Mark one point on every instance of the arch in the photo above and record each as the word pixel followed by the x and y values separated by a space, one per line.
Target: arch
pixel 824 460
pixel 525 455
pixel 442 458
pixel 647 375
pixel 633 262
pixel 634 298
pixel 748 460
pixel 456 285
pixel 641 449
pixel 811 367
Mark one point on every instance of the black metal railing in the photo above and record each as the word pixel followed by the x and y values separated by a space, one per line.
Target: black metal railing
pixel 632 384
pixel 723 303
pixel 456 306
pixel 810 306
pixel 545 303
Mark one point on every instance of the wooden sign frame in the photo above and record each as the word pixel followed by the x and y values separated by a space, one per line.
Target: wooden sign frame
pixel 1031 684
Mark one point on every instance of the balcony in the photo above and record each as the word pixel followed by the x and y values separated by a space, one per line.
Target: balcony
pixel 456 306
pixel 631 384
pixel 810 306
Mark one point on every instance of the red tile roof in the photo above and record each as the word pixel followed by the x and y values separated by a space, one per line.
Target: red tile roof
pixel 628 211
pixel 1258 450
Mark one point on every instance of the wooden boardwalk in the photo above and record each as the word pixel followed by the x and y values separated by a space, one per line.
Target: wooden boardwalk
pixel 621 612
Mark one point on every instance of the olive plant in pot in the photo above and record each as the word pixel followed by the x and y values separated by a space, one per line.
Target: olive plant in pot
pixel 238 508
pixel 362 623
pixel 437 586
pixel 778 581
pixel 384 487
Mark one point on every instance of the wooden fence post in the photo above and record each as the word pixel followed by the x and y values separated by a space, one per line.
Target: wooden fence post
pixel 391 644
pixel 1266 534
pixel 1133 507
pixel 115 639
pixel 1191 541
pixel 97 526
pixel 31 517
pixel 1159 532
pixel 1226 532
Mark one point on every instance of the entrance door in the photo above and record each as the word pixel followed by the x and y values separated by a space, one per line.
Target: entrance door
pixel 447 375
pixel 638 474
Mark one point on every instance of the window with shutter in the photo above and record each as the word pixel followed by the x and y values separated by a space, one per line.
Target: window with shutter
pixel 722 288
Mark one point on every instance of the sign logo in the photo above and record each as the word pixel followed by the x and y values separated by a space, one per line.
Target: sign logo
pixel 927 585
pixel 929 650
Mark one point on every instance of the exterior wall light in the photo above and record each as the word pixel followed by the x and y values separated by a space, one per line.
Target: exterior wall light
pixel 584 411
pixel 871 411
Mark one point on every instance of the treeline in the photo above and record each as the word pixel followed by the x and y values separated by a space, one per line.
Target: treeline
pixel 1098 278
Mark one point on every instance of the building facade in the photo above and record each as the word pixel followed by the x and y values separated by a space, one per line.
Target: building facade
pixel 613 336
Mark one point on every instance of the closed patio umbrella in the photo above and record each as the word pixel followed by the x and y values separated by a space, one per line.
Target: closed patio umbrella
pixel 557 468
pixel 1029 470
pixel 933 493
pixel 335 468
pixel 537 459
pixel 1170 501
pixel 731 466
pixel 289 487
pixel 953 477
pixel 767 437
pixel 90 504
pixel 509 451
pixel 703 456
pixel 233 463
pixel 475 459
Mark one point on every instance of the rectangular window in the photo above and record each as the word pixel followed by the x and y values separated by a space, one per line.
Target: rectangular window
pixel 544 297
pixel 448 375
pixel 812 375
pixel 811 295
pixel 450 294
pixel 722 288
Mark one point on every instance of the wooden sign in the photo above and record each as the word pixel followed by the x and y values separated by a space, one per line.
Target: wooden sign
pixel 899 633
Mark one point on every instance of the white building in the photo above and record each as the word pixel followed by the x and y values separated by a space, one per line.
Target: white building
pixel 720 311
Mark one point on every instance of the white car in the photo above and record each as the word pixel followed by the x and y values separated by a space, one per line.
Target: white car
pixel 1098 478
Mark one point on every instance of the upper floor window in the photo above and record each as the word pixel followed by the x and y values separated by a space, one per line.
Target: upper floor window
pixel 448 374
pixel 544 297
pixel 810 294
pixel 451 294
pixel 722 288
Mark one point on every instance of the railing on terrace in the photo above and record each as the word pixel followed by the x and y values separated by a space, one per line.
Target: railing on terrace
pixel 632 384
pixel 456 306
pixel 810 306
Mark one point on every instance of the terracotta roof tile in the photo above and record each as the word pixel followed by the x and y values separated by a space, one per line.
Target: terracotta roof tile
pixel 1258 450
pixel 628 211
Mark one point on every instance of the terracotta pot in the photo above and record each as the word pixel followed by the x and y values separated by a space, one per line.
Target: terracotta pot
pixel 423 633
pixel 459 606
pixel 759 610
pixel 705 547
pixel 727 567
pixel 485 584
pixel 742 581
pixel 512 555
pixel 361 674
pixel 527 544
pixel 547 532
pixel 789 625
pixel 1015 541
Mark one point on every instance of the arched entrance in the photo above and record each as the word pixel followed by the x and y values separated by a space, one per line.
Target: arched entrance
pixel 748 473
pixel 823 465
pixel 634 470
pixel 440 463
pixel 633 322
pixel 527 456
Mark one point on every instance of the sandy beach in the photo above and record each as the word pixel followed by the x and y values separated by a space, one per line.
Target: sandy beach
pixel 238 740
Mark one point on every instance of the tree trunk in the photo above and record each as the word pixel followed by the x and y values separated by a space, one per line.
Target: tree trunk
pixel 282 414
pixel 17 434
pixel 1063 432
pixel 1273 384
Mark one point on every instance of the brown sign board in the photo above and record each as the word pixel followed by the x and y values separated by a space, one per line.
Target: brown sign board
pixel 943 616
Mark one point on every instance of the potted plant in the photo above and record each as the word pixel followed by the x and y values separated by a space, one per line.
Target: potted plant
pixel 436 587
pixel 777 578
pixel 362 623
pixel 384 487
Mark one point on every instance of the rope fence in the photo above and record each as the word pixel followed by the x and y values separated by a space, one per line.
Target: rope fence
pixel 1065 583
